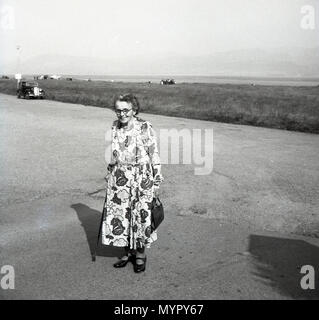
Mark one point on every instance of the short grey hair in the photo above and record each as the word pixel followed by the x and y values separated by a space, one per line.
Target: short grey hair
pixel 129 98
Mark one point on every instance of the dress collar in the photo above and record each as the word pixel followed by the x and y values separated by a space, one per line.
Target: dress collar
pixel 128 127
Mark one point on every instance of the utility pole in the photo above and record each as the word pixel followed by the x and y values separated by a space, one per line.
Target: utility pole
pixel 18 58
pixel 18 75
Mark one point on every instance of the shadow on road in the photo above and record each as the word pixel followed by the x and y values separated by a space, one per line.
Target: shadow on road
pixel 90 221
pixel 278 262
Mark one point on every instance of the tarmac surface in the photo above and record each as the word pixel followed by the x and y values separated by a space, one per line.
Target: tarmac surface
pixel 242 232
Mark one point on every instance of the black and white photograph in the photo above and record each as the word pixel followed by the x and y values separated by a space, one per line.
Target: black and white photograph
pixel 157 150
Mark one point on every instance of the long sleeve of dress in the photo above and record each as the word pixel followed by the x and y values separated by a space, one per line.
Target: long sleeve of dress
pixel 154 155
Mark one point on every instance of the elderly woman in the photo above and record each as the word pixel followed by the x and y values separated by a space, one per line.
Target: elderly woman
pixel 133 180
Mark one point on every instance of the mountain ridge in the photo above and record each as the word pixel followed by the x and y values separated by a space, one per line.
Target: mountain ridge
pixel 297 62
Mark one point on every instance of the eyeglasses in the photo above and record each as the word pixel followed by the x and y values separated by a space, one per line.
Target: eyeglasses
pixel 125 111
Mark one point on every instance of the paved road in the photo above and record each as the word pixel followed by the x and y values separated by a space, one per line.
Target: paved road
pixel 238 233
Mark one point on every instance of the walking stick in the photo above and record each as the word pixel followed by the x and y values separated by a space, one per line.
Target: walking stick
pixel 100 229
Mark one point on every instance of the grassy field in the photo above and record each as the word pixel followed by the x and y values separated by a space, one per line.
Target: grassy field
pixel 281 107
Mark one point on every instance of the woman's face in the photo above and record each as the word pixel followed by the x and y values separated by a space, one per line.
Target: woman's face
pixel 124 111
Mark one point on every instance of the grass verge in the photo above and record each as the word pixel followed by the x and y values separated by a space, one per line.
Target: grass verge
pixel 280 107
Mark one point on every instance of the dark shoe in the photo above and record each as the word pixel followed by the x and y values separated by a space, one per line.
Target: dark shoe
pixel 140 267
pixel 121 263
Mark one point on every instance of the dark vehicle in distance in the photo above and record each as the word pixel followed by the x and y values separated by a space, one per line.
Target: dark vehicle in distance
pixel 5 77
pixel 29 89
pixel 168 81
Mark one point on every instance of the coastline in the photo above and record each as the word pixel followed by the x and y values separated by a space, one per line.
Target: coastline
pixel 197 79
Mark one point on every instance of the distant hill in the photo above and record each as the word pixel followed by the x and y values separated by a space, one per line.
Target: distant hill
pixel 295 62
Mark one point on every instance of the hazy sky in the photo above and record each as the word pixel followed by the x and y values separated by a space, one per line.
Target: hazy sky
pixel 103 28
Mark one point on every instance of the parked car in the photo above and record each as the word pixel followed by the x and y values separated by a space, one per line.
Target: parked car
pixel 29 89
pixel 55 77
pixel 168 81
pixel 40 77
pixel 5 77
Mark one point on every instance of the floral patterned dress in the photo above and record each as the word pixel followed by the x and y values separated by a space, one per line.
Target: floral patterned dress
pixel 133 174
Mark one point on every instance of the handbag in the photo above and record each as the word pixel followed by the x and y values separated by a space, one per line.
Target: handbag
pixel 157 213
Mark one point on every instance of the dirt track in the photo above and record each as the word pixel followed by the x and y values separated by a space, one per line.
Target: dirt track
pixel 226 235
